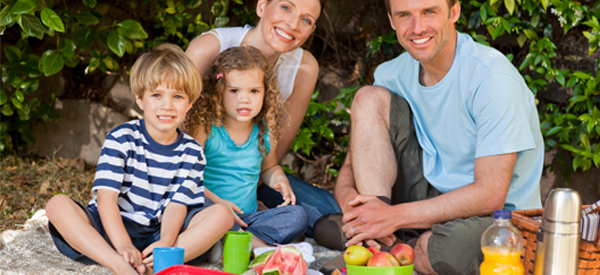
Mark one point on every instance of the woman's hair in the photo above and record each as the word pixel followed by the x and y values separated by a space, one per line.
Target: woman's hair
pixel 166 64
pixel 208 110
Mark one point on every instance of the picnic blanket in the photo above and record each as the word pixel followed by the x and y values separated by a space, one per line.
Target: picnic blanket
pixel 32 251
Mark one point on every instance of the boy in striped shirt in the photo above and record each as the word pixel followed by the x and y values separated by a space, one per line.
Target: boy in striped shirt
pixel 148 191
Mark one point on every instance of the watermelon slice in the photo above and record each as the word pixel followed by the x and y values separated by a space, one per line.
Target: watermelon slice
pixel 258 264
pixel 284 261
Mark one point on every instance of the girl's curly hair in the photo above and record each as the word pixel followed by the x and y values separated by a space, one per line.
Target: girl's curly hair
pixel 208 109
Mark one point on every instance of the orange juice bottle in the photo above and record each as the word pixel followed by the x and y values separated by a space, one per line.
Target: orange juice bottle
pixel 502 245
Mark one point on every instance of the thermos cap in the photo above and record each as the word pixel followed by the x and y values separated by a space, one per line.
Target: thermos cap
pixel 563 205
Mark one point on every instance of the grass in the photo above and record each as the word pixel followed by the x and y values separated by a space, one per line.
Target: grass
pixel 26 184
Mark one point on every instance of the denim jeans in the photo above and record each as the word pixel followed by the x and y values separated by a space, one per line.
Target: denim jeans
pixel 280 225
pixel 315 201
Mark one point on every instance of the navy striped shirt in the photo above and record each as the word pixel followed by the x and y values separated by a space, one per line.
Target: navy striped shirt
pixel 148 175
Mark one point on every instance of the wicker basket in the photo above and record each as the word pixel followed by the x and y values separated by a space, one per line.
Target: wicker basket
pixel 528 222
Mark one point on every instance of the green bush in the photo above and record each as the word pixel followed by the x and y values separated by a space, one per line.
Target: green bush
pixel 80 35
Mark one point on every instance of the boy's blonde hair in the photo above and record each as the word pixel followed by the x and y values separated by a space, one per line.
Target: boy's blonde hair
pixel 166 64
pixel 209 109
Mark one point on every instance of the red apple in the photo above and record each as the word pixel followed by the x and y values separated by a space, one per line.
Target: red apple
pixel 373 250
pixel 382 259
pixel 403 253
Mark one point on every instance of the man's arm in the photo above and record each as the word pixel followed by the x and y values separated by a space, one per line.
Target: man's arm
pixel 372 219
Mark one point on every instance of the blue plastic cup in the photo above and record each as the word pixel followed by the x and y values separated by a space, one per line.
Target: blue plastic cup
pixel 166 256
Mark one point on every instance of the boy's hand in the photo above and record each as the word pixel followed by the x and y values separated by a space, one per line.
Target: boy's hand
pixel 148 259
pixel 235 209
pixel 130 254
pixel 286 191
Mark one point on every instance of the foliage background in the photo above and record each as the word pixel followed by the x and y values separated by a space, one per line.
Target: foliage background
pixel 553 43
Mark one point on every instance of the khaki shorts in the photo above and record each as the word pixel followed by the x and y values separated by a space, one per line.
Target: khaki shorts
pixel 455 246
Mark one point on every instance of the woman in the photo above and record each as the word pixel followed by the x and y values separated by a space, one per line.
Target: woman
pixel 283 27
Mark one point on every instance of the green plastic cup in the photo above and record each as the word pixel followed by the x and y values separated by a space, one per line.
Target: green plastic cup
pixel 237 248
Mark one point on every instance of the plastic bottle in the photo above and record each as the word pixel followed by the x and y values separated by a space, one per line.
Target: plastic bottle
pixel 502 245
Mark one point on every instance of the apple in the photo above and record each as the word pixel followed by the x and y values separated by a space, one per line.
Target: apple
pixel 382 259
pixel 403 253
pixel 357 255
pixel 373 250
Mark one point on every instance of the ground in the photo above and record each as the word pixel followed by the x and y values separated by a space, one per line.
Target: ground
pixel 27 184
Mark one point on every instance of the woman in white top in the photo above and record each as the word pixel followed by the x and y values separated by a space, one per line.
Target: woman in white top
pixel 283 27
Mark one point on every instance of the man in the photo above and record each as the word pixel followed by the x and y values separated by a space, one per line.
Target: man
pixel 448 134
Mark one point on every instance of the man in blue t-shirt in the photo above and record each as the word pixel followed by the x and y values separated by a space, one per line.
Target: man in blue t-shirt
pixel 448 134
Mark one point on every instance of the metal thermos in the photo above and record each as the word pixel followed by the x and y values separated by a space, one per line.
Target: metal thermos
pixel 558 252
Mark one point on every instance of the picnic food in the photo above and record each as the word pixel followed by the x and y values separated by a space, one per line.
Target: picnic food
pixel 357 255
pixel 403 253
pixel 281 261
pixel 382 259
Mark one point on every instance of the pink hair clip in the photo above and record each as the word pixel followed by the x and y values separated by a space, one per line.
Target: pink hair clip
pixel 219 75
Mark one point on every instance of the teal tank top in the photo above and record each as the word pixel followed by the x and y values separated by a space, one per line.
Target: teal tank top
pixel 232 171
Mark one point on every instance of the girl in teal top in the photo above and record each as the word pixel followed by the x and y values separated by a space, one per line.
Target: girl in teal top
pixel 235 120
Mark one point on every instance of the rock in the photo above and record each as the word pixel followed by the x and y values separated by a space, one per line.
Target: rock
pixel 290 160
pixel 121 95
pixel 80 131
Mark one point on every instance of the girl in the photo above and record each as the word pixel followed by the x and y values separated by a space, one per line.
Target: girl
pixel 236 121
pixel 284 26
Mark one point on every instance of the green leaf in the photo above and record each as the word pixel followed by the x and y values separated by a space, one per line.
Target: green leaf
pixel 6 110
pixel 13 54
pixel 16 103
pixel 239 2
pixel 132 29
pixel 72 61
pixel 87 19
pixel 84 36
pixel 554 130
pixel 497 32
pixel 221 21
pixel 110 63
pixel 544 4
pixel 582 75
pixel 31 25
pixel 521 39
pixel 52 20
pixel 192 4
pixel 90 4
pixel 67 48
pixel 23 6
pixel 52 63
pixel 3 98
pixel 116 42
pixel 530 34
pixel 6 15
pixel 510 6
pixel 19 96
pixel 535 20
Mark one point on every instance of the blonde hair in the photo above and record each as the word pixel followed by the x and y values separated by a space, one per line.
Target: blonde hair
pixel 208 110
pixel 166 64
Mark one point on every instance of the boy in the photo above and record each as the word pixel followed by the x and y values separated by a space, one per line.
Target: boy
pixel 148 190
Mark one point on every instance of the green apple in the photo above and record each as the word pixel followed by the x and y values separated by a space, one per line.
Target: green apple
pixel 357 255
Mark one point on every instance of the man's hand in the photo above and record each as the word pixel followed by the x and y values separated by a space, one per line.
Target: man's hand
pixel 370 219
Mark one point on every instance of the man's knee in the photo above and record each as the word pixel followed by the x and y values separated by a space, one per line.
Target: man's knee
pixel 371 99
pixel 422 264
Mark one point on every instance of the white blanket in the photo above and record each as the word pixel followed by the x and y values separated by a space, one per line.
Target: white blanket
pixel 32 251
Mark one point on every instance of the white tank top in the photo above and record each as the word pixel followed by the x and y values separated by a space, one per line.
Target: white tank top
pixel 287 64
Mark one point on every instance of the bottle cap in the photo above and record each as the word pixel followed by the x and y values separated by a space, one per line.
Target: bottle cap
pixel 502 214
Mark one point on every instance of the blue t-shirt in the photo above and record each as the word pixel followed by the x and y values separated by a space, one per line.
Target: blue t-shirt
pixel 232 171
pixel 148 175
pixel 482 107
